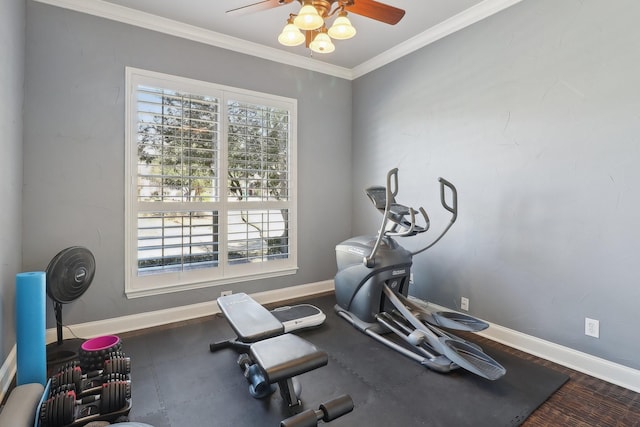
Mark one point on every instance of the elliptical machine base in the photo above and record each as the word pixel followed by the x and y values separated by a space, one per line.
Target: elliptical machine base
pixel 372 283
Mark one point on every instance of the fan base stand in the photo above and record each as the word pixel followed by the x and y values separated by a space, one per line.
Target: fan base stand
pixel 59 353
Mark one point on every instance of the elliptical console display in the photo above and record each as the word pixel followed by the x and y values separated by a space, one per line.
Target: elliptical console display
pixel 372 286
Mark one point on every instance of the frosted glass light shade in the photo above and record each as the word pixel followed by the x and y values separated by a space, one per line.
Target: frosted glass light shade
pixel 308 18
pixel 342 28
pixel 322 44
pixel 291 36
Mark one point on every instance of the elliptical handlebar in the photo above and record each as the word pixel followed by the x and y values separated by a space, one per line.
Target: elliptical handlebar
pixel 409 228
pixel 393 173
pixel 369 260
pixel 408 231
pixel 454 196
pixel 426 219
pixel 453 209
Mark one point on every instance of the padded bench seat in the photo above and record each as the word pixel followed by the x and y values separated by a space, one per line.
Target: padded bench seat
pixel 249 320
pixel 286 356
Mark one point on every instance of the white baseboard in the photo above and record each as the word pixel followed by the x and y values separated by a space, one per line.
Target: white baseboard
pixel 178 314
pixel 603 369
pixel 7 372
pixel 611 372
pixel 600 368
pixel 158 318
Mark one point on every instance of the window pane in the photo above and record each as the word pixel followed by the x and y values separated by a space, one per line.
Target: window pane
pixel 177 241
pixel 178 146
pixel 258 235
pixel 258 152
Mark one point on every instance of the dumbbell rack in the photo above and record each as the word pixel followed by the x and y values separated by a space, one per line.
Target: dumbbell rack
pixel 76 396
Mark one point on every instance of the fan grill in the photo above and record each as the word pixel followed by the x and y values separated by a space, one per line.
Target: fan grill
pixel 70 273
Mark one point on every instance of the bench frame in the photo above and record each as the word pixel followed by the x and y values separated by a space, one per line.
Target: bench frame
pixel 279 357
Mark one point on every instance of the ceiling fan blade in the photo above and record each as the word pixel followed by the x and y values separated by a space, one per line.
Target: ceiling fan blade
pixel 376 10
pixel 258 6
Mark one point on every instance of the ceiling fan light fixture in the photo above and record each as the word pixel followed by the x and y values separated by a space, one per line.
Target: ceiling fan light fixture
pixel 322 43
pixel 291 35
pixel 314 15
pixel 342 28
pixel 308 18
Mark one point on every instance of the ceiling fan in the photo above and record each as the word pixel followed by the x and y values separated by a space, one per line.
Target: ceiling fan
pixel 313 16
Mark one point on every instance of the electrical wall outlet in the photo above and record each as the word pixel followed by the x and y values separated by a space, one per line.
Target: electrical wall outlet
pixel 225 293
pixel 464 303
pixel 411 278
pixel 592 327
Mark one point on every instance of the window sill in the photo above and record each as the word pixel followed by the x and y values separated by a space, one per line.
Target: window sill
pixel 132 293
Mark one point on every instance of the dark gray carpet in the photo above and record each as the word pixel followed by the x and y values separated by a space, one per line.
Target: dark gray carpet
pixel 177 382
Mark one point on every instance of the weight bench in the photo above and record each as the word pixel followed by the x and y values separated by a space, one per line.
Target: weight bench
pixel 269 356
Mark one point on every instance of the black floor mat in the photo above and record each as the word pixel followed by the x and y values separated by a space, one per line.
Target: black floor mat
pixel 177 382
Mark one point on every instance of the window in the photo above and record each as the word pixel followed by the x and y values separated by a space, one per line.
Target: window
pixel 210 194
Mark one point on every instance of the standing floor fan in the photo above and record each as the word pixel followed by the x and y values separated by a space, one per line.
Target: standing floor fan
pixel 69 275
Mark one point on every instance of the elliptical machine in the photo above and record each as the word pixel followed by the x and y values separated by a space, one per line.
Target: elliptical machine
pixel 372 286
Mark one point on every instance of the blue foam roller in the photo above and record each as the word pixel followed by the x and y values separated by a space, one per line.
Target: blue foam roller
pixel 31 328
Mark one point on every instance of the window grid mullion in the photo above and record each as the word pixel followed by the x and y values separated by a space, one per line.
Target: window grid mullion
pixel 222 182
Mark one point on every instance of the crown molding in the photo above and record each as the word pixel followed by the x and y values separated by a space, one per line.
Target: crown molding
pixel 456 23
pixel 149 21
pixel 152 22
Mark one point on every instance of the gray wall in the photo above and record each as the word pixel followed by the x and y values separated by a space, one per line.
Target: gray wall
pixel 534 114
pixel 74 149
pixel 12 39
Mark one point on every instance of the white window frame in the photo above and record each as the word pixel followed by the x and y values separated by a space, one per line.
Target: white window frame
pixel 224 274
